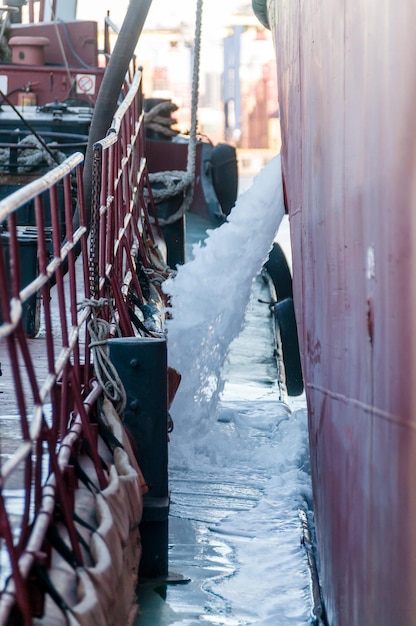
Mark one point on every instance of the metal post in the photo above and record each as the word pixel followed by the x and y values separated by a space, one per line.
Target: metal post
pixel 142 366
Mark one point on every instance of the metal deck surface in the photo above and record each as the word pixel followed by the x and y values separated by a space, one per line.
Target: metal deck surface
pixel 202 559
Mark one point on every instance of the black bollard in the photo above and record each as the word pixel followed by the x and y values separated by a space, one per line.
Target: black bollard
pixel 141 363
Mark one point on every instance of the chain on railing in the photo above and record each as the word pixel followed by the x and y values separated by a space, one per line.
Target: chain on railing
pixel 46 270
pixel 122 215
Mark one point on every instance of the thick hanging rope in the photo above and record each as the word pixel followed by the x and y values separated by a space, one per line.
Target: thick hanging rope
pixel 175 182
pixel 159 118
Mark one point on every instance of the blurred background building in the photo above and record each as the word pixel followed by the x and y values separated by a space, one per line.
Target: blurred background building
pixel 237 83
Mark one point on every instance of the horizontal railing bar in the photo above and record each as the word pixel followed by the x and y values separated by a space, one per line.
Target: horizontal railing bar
pixel 8 467
pixel 124 107
pixel 44 515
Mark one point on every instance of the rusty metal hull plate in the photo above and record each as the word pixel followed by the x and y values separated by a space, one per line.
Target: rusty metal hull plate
pixel 347 91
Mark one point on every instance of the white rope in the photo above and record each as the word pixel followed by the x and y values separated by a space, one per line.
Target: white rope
pixel 105 371
pixel 195 91
pixel 173 182
pixel 186 183
pixel 31 157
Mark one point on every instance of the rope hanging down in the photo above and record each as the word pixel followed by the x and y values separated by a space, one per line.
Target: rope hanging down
pixel 176 181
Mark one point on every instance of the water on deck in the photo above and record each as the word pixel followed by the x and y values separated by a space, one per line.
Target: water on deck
pixel 238 478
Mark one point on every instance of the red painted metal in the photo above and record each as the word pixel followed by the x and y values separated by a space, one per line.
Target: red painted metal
pixel 31 400
pixel 65 39
pixel 347 89
pixel 121 204
pixel 48 83
pixel 70 69
pixel 55 394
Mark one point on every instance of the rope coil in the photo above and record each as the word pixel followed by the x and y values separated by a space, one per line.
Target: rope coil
pixel 105 371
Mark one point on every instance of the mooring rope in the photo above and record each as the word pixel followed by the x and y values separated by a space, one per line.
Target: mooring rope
pixel 31 154
pixel 105 371
pixel 176 181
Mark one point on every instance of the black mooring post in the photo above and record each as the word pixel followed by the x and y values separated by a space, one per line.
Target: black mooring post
pixel 174 233
pixel 142 366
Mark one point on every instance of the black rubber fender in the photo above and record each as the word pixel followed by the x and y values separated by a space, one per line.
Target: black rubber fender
pixel 284 312
pixel 225 175
pixel 260 10
pixel 278 270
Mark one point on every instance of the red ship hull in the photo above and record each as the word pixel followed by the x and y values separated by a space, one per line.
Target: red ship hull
pixel 347 89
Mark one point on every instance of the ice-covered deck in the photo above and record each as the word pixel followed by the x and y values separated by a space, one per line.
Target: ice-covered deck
pixel 238 464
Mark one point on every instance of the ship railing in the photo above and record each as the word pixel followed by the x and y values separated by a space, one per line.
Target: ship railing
pixel 123 211
pixel 46 365
pixel 55 277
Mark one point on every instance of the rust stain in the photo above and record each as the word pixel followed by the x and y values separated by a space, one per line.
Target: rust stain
pixel 313 349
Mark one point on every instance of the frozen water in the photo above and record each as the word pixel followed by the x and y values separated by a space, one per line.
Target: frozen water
pixel 210 295
pixel 238 453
